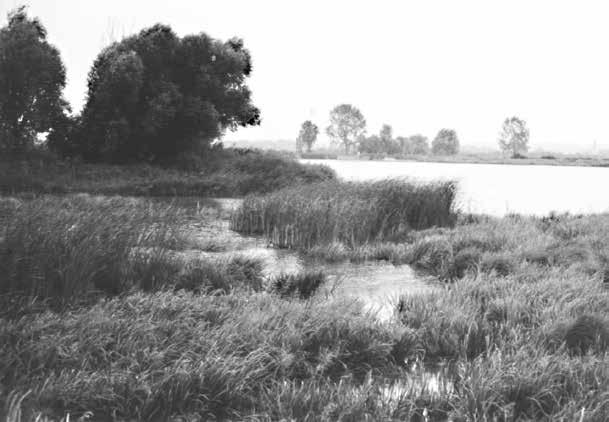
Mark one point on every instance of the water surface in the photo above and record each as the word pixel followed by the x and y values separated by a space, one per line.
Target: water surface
pixel 377 285
pixel 497 189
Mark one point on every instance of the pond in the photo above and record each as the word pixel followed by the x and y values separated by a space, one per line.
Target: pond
pixel 378 285
pixel 497 189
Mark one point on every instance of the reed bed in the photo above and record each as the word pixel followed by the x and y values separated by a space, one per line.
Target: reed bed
pixel 69 248
pixel 346 212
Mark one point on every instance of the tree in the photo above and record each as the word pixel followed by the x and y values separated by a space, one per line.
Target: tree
pixel 370 144
pixel 347 125
pixel 154 96
pixel 514 136
pixel 445 143
pixel 414 145
pixel 389 145
pixel 32 77
pixel 307 136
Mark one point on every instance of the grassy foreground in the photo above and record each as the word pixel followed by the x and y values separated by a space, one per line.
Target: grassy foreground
pixel 204 340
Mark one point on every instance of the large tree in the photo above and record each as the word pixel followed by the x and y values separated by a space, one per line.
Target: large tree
pixel 307 135
pixel 514 136
pixel 32 77
pixel 445 143
pixel 347 125
pixel 154 95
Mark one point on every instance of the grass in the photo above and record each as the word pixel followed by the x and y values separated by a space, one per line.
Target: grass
pixel 166 354
pixel 302 285
pixel 60 248
pixel 65 250
pixel 524 325
pixel 347 212
pixel 227 173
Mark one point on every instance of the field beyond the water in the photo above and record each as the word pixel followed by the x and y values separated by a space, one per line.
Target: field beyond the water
pixel 102 317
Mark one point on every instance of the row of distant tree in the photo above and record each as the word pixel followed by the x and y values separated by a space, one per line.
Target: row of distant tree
pixel 347 130
pixel 151 96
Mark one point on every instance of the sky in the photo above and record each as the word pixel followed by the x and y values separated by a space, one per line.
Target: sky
pixel 417 65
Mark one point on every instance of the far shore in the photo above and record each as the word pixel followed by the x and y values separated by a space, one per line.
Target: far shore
pixel 571 161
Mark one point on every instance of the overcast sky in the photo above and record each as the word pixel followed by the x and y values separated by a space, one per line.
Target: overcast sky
pixel 417 65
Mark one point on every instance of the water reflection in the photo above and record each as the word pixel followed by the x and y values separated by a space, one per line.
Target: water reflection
pixel 377 285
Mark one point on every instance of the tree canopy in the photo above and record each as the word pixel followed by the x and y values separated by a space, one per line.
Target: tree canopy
pixel 307 135
pixel 154 95
pixel 32 77
pixel 514 136
pixel 414 145
pixel 445 143
pixel 347 125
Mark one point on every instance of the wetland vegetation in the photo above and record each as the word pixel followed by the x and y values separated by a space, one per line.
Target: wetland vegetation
pixel 129 291
pixel 105 314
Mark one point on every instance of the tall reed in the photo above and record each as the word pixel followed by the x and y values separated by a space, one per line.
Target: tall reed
pixel 65 248
pixel 348 212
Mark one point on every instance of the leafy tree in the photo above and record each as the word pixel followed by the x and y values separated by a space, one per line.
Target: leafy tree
pixel 445 143
pixel 389 145
pixel 155 96
pixel 372 144
pixel 307 136
pixel 347 125
pixel 383 143
pixel 514 136
pixel 32 77
pixel 414 145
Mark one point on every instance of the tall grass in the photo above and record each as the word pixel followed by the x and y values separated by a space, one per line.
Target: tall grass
pixel 66 248
pixel 154 356
pixel 347 212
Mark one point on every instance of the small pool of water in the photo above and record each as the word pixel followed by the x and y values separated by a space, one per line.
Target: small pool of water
pixel 377 284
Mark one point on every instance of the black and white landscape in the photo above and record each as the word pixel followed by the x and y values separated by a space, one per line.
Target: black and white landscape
pixel 304 211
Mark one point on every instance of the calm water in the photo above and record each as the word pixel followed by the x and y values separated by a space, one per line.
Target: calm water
pixel 497 189
pixel 377 285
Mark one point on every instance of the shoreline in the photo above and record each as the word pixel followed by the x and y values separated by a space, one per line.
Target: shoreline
pixel 558 162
